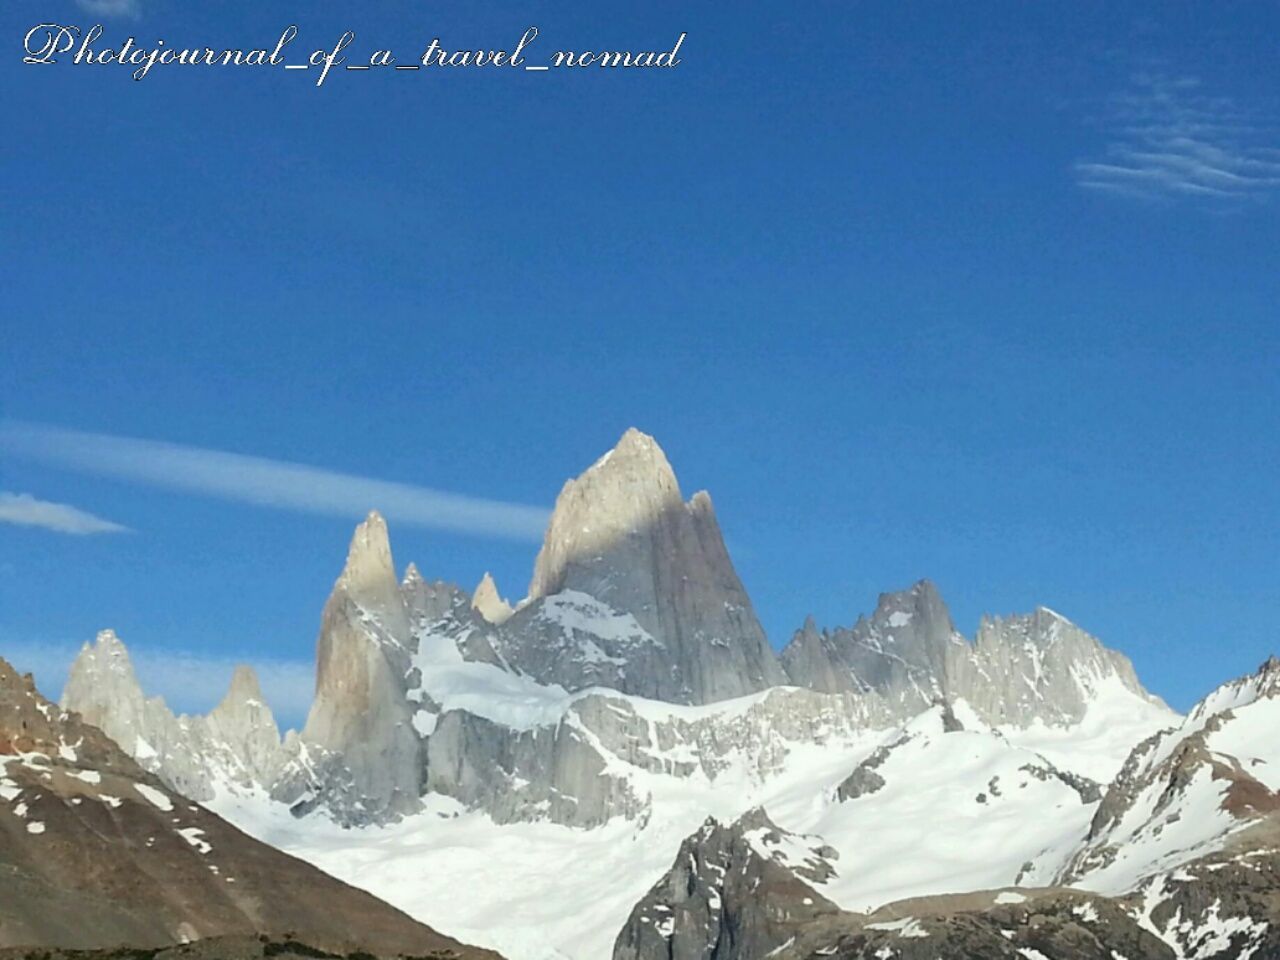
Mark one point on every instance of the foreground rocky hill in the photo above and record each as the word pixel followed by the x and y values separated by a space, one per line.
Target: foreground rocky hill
pixel 747 890
pixel 96 852
pixel 213 948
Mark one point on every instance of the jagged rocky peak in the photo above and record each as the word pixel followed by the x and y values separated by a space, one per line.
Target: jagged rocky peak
pixel 361 718
pixel 244 725
pixel 1041 666
pixel 427 601
pixel 245 689
pixel 653 595
pixel 611 508
pixel 103 688
pixel 1262 684
pixel 369 576
pixel 106 657
pixel 901 650
pixel 1021 668
pixel 237 745
pixel 488 603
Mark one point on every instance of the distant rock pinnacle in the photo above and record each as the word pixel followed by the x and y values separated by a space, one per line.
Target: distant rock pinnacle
pixel 486 602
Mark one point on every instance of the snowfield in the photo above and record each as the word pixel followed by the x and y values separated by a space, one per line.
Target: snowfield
pixel 958 811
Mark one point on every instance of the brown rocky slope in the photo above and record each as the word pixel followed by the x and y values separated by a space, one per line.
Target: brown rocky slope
pixel 97 853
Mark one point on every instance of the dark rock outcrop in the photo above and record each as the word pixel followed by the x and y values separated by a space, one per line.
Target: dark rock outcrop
pixel 735 892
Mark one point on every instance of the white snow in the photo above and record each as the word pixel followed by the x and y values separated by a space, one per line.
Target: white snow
pixel 1008 896
pixel 424 722
pixel 1086 911
pixel 791 851
pixel 538 891
pixel 905 927
pixel 576 612
pixel 1164 828
pixel 156 797
pixel 195 837
pixel 35 826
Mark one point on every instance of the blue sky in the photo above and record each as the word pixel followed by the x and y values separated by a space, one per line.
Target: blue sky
pixel 985 293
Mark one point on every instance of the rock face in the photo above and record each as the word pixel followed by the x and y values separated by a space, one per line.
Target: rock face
pixel 735 892
pixel 1021 669
pixel 1041 666
pixel 95 852
pixel 486 602
pixel 360 713
pixel 902 651
pixel 237 744
pixel 622 535
pixel 548 772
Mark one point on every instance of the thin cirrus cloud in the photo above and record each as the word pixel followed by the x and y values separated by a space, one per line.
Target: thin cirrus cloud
pixel 111 8
pixel 25 510
pixel 1170 140
pixel 268 483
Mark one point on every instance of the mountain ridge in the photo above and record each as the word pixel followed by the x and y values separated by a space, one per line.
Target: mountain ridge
pixel 453 732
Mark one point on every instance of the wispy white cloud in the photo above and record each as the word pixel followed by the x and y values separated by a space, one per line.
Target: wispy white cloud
pixel 189 682
pixel 1169 139
pixel 26 511
pixel 111 8
pixel 268 483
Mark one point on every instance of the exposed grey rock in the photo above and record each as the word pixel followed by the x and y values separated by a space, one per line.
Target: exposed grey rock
pixel 237 745
pixel 622 534
pixel 734 892
pixel 428 601
pixel 551 773
pixel 864 780
pixel 361 713
pixel 1038 666
pixel 1090 791
pixel 1020 669
pixel 902 650
pixel 576 641
pixel 1224 906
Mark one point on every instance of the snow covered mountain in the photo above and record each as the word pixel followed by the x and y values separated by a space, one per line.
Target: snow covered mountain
pixel 1189 790
pixel 522 776
pixel 1024 668
pixel 237 743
